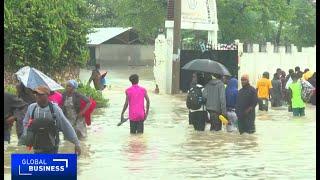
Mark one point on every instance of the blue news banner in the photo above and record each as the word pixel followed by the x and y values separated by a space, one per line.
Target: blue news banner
pixel 43 166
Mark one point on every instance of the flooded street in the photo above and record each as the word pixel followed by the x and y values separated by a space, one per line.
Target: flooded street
pixel 283 147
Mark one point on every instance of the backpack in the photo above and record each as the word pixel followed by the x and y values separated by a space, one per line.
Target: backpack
pixel 194 98
pixel 42 133
pixel 306 90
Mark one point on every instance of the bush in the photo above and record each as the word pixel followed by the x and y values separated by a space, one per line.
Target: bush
pixel 11 89
pixel 93 93
pixel 47 35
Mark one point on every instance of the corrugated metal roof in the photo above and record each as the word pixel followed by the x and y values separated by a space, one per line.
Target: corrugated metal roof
pixel 101 35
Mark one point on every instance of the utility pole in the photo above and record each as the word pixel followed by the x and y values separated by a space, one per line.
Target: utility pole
pixel 176 48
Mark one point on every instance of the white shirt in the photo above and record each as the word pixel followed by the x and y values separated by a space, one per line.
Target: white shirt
pixel 288 83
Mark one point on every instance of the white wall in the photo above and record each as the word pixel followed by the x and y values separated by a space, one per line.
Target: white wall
pixel 160 64
pixel 255 63
pixel 163 57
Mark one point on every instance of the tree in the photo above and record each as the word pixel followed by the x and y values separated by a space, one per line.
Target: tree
pixel 145 16
pixel 239 20
pixel 259 21
pixel 103 13
pixel 47 35
pixel 302 29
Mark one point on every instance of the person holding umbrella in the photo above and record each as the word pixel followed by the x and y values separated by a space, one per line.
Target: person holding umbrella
pixel 214 90
pixel 197 113
pixel 32 78
pixel 215 98
pixel 193 84
pixel 26 94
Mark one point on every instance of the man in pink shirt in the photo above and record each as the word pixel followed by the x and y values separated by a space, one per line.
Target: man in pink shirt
pixel 135 96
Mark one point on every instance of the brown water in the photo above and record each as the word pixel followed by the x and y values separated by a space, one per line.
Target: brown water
pixel 282 148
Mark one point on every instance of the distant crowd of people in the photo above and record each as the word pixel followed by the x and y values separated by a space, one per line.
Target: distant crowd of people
pixel 212 95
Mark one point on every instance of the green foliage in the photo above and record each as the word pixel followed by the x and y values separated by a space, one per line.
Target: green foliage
pixel 93 93
pixel 10 89
pixel 83 89
pixel 252 21
pixel 47 35
pixel 103 13
pixel 145 16
pixel 258 21
pixel 96 95
pixel 86 90
pixel 302 31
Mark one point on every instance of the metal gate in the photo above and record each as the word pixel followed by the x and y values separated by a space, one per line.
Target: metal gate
pixel 223 53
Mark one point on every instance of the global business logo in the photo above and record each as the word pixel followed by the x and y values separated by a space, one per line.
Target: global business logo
pixel 43 166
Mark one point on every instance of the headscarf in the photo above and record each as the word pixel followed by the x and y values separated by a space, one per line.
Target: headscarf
pixel 73 83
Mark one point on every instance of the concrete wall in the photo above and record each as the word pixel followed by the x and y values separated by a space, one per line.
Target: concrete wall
pixel 253 63
pixel 256 63
pixel 161 64
pixel 118 54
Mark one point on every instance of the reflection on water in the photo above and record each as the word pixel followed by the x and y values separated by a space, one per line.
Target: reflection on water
pixel 282 148
pixel 135 149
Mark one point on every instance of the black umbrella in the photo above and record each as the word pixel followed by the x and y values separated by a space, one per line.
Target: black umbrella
pixel 206 65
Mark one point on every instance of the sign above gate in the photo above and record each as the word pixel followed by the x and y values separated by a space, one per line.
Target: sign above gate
pixel 199 15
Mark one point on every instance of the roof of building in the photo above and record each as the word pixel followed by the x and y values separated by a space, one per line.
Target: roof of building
pixel 101 35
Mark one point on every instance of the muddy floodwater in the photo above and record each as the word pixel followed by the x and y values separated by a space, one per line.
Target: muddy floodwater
pixel 283 147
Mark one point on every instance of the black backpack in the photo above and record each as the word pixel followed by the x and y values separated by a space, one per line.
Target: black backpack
pixel 43 133
pixel 194 98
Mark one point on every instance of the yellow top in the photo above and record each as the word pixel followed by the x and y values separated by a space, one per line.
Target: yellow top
pixel 263 87
pixel 307 75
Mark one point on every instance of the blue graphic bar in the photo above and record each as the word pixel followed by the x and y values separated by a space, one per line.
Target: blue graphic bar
pixel 43 166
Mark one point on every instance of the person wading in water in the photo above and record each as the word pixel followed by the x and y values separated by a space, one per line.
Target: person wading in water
pixel 135 96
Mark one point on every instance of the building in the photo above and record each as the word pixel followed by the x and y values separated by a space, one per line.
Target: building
pixel 114 46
